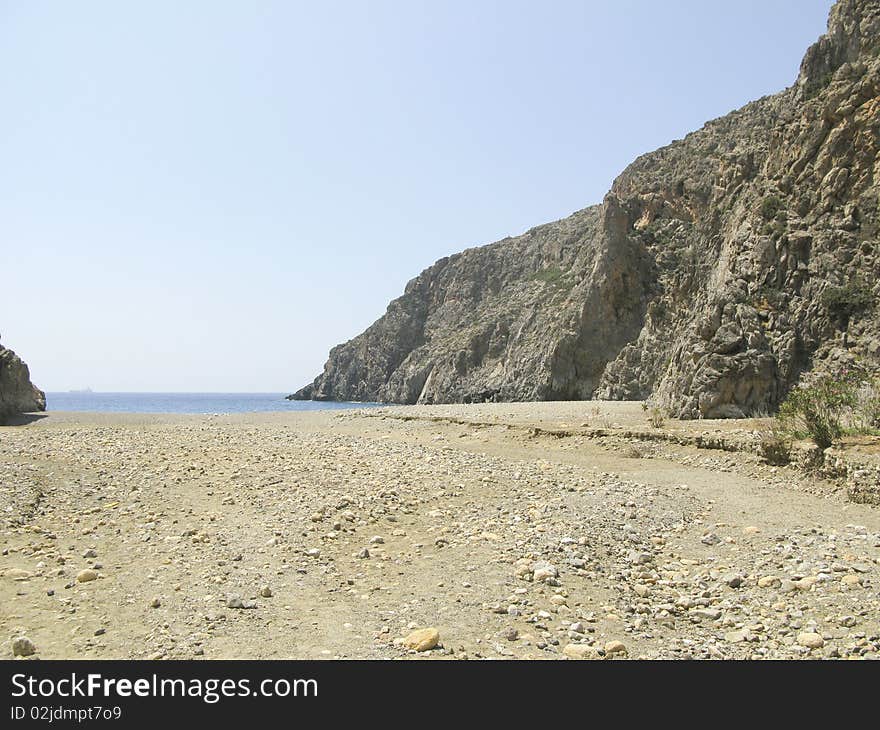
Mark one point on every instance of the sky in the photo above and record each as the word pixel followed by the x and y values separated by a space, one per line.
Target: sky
pixel 207 196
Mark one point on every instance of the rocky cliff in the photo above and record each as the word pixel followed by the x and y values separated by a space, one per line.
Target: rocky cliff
pixel 17 393
pixel 715 273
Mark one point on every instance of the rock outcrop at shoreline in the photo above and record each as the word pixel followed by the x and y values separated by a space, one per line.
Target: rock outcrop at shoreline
pixel 17 393
pixel 717 270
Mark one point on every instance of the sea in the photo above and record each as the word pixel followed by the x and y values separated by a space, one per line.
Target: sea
pixel 186 403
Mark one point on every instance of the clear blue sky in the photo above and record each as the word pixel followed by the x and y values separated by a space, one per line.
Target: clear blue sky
pixel 206 196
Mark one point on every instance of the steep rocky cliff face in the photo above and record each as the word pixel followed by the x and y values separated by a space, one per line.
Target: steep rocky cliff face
pixel 17 393
pixel 701 282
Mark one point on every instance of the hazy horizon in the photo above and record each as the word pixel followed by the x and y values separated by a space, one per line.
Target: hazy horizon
pixel 205 199
pixel 169 392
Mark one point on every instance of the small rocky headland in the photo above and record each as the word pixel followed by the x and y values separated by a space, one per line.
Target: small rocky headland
pixel 17 394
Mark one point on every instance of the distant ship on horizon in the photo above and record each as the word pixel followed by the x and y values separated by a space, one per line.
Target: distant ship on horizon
pixel 81 390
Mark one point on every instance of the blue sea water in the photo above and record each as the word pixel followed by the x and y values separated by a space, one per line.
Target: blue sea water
pixel 185 403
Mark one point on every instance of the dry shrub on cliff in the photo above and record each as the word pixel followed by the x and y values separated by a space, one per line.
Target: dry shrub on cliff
pixel 842 302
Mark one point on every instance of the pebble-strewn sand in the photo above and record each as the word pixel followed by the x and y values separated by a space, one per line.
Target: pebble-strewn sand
pixel 337 535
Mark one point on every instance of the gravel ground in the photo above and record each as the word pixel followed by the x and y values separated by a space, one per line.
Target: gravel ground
pixel 318 535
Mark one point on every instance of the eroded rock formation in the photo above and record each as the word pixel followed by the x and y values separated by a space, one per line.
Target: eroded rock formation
pixel 697 283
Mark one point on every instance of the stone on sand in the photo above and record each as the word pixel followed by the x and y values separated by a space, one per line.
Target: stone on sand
pixel 23 646
pixel 422 639
pixel 581 651
pixel 87 575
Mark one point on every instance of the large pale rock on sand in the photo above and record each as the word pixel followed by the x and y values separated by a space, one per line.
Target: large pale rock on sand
pixel 581 651
pixel 697 282
pixel 17 393
pixel 422 639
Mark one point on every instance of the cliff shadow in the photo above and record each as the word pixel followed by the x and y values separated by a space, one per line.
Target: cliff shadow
pixel 22 419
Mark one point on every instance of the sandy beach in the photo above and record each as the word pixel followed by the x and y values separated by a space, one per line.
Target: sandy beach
pixel 517 531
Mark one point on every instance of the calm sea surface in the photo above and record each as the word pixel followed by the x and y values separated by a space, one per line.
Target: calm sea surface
pixel 185 403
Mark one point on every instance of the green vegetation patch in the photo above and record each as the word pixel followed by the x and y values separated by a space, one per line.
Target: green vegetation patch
pixel 770 206
pixel 554 276
pixel 832 406
pixel 844 301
